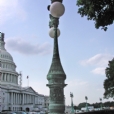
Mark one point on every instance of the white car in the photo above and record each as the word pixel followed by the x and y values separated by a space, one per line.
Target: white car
pixel 7 112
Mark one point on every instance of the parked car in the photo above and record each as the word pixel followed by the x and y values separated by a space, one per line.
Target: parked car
pixel 8 112
pixel 20 112
pixel 33 113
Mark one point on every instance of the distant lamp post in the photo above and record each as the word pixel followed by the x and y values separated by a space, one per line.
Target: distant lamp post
pixel 72 106
pixel 86 103
pixel 101 103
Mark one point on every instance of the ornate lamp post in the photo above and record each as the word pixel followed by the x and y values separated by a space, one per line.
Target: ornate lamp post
pixel 101 103
pixel 72 106
pixel 56 75
pixel 86 103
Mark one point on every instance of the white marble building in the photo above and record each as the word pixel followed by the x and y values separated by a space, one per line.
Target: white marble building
pixel 12 95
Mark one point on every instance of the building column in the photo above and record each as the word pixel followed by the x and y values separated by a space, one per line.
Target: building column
pixel 30 98
pixel 8 77
pixel 20 99
pixel 17 98
pixel 33 99
pixel 1 76
pixel 12 78
pixel 14 98
pixel 27 98
pixel 23 98
pixel 4 76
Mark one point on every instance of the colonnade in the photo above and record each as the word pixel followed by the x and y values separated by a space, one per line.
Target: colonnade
pixel 8 66
pixel 9 78
pixel 21 98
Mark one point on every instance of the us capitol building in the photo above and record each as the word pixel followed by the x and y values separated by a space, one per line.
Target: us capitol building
pixel 12 95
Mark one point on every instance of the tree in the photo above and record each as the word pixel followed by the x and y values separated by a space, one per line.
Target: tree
pixel 107 104
pixel 96 105
pixel 100 11
pixel 81 105
pixel 109 82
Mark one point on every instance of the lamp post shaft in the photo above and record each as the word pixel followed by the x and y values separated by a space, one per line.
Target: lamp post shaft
pixel 72 106
pixel 56 75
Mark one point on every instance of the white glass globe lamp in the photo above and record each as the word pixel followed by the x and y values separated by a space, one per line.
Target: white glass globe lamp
pixel 57 9
pixel 52 32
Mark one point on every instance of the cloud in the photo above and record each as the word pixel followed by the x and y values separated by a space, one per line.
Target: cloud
pixel 11 10
pixel 100 70
pixel 77 83
pixel 21 46
pixel 99 60
pixel 100 89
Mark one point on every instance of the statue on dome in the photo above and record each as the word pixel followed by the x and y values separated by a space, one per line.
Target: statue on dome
pixel 1 36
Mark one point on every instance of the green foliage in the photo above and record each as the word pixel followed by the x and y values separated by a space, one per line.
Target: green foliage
pixel 82 105
pixel 75 107
pixel 108 104
pixel 109 82
pixel 96 105
pixel 100 11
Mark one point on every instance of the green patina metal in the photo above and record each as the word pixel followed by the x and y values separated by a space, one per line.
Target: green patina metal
pixel 86 104
pixel 1 36
pixel 56 76
pixel 54 22
pixel 101 103
pixel 72 106
pixel 56 1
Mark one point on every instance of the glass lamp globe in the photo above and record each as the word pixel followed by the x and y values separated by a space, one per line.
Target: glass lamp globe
pixel 52 32
pixel 57 9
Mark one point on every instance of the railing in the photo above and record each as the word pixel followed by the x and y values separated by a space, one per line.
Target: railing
pixel 98 112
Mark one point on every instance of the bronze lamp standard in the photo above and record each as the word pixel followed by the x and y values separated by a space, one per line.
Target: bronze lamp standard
pixel 72 106
pixel 86 98
pixel 101 103
pixel 56 75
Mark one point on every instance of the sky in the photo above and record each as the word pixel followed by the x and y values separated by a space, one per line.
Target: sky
pixel 84 50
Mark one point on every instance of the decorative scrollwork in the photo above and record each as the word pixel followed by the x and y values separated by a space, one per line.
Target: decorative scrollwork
pixel 56 94
pixel 54 22
pixel 56 1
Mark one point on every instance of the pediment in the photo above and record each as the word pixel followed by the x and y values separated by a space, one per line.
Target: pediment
pixel 30 90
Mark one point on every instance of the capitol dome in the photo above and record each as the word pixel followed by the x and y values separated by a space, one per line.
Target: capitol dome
pixel 8 74
pixel 5 55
